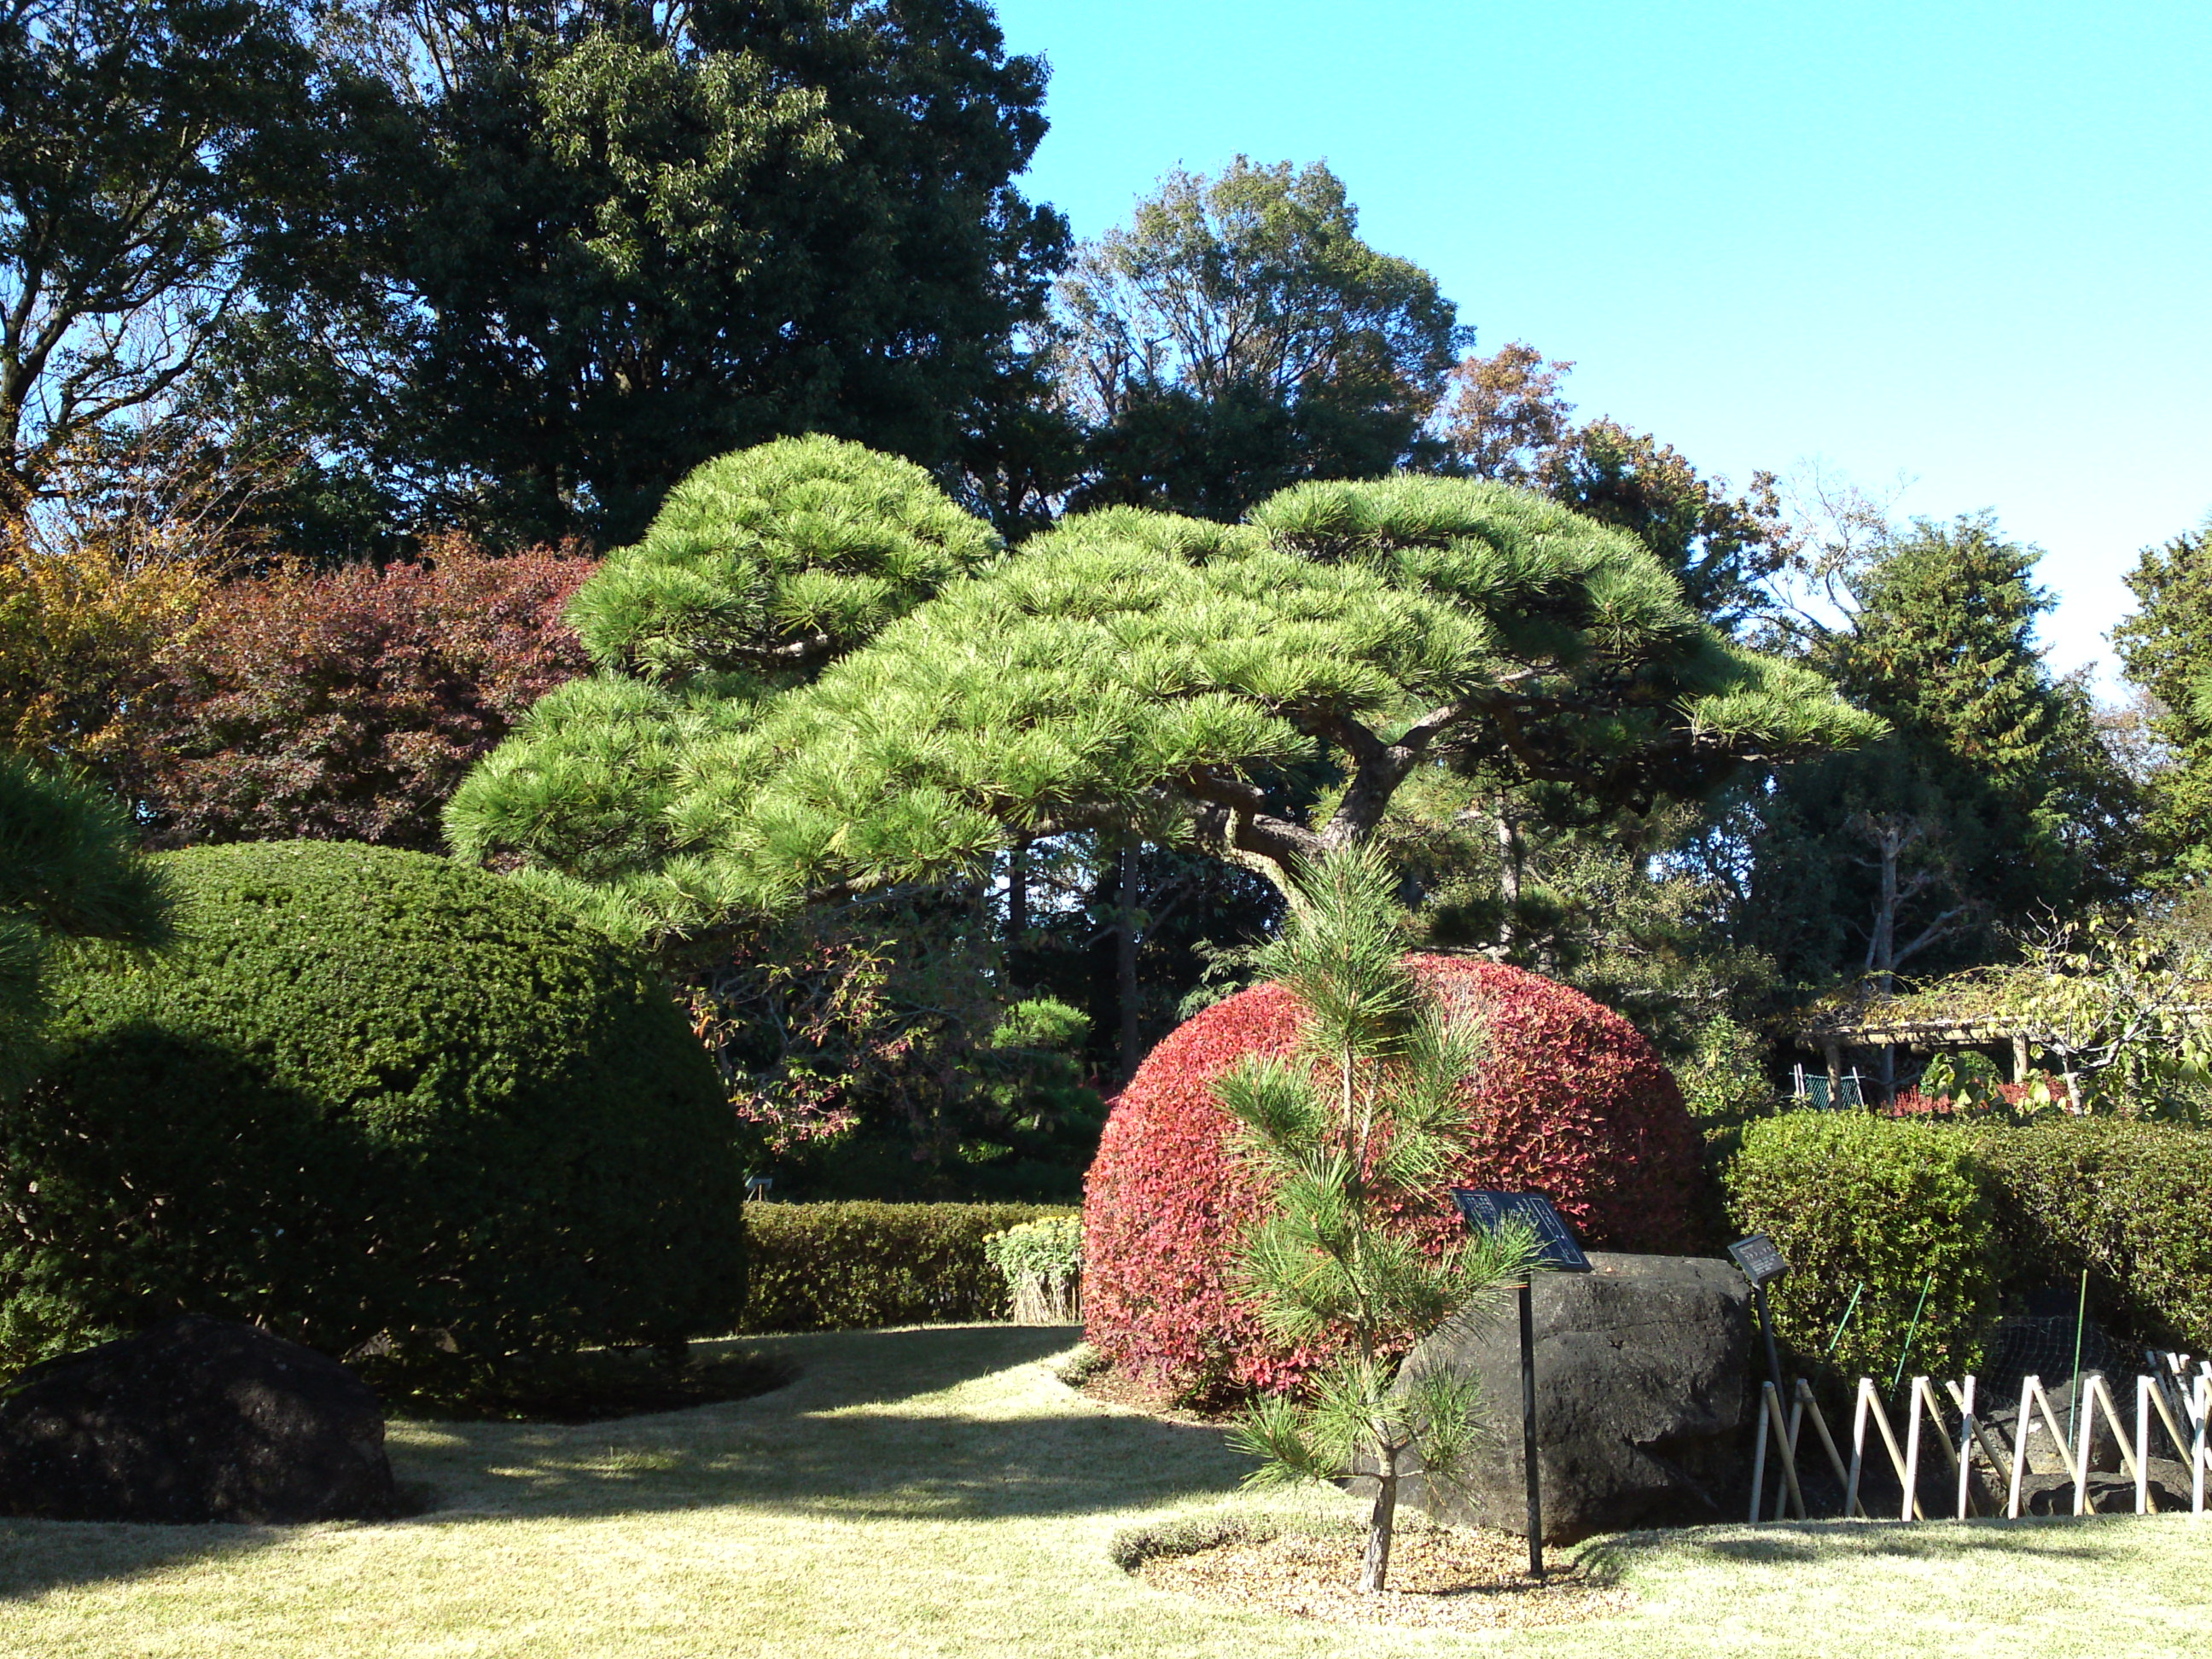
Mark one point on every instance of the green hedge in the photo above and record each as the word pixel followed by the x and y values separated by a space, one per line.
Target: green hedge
pixel 2131 1202
pixel 368 1098
pixel 1855 1200
pixel 1994 1210
pixel 854 1266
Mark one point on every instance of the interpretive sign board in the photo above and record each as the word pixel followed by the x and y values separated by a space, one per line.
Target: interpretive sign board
pixel 1761 1259
pixel 1556 1246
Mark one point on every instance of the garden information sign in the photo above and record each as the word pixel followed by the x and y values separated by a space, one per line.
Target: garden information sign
pixel 1558 1252
pixel 1759 1258
pixel 1488 1212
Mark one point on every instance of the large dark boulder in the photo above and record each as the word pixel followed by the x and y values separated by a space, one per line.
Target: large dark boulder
pixel 1643 1399
pixel 197 1419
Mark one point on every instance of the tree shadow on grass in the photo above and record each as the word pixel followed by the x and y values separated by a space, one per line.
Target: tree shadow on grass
pixel 878 1426
pixel 2069 1539
pixel 38 1556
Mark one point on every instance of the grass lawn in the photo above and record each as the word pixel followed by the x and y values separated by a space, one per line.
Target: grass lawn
pixel 939 1492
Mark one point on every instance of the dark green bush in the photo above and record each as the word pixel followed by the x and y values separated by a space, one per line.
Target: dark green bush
pixel 2131 1202
pixel 849 1267
pixel 1852 1199
pixel 369 1097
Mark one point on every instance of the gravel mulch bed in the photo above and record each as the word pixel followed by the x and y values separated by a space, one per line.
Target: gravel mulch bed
pixel 1455 1577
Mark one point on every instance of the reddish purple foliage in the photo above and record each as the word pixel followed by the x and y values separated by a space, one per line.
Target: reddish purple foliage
pixel 346 706
pixel 1570 1102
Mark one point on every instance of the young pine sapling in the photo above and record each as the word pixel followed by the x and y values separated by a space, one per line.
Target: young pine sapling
pixel 1358 1127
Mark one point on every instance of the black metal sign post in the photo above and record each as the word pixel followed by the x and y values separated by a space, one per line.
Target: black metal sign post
pixel 1556 1251
pixel 1762 1262
pixel 1529 1465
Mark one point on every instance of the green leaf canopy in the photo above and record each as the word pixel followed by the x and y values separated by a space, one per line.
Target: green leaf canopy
pixel 1144 673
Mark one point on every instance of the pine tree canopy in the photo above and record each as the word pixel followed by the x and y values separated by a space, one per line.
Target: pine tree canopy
pixel 770 560
pixel 69 869
pixel 1141 673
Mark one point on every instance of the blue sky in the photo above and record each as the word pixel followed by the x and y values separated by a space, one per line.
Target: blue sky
pixel 1967 243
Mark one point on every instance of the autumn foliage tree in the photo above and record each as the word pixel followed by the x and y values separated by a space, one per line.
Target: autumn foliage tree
pixel 1509 420
pixel 80 630
pixel 347 706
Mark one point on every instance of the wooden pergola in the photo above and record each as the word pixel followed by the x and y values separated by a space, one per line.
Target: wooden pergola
pixel 1868 1027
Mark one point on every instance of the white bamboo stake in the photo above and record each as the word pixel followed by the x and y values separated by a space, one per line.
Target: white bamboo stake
pixel 1828 1444
pixel 1965 1449
pixel 1871 1399
pixel 2020 1448
pixel 1990 1450
pixel 1858 1447
pixel 2202 1453
pixel 1796 1427
pixel 1785 1450
pixel 1926 1391
pixel 1912 1452
pixel 1758 1454
pixel 2142 1445
pixel 2102 1394
pixel 2162 1398
pixel 2087 1408
pixel 2051 1422
pixel 1896 1456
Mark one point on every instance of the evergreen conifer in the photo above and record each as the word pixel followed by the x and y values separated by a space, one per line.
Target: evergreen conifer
pixel 1357 1127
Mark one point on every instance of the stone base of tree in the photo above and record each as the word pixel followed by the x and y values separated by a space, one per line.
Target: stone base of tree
pixel 1642 1399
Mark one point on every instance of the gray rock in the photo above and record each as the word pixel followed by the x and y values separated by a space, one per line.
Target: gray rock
pixel 195 1420
pixel 1643 1399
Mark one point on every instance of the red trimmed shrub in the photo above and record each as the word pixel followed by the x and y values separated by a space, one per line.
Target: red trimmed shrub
pixel 1572 1102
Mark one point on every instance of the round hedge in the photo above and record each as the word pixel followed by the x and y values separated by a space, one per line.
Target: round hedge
pixel 368 1098
pixel 1570 1102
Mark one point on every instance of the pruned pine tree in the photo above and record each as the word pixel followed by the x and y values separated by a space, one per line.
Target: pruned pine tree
pixel 1130 674
pixel 1355 1129
pixel 69 869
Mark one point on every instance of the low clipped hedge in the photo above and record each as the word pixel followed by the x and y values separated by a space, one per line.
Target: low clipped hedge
pixel 2131 1202
pixel 1994 1210
pixel 856 1265
pixel 372 1100
pixel 1854 1199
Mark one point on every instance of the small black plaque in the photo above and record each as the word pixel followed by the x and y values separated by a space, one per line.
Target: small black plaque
pixel 1759 1259
pixel 1555 1246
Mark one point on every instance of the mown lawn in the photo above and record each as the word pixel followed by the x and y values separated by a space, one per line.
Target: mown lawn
pixel 939 1492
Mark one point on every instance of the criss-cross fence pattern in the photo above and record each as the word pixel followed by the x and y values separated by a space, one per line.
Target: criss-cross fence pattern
pixel 2173 1408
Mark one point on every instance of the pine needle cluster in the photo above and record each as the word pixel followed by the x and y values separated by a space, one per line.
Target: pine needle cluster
pixel 1364 1120
pixel 815 684
pixel 70 868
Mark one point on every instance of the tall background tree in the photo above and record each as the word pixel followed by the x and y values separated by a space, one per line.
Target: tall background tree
pixel 1994 799
pixel 159 162
pixel 2165 647
pixel 1509 419
pixel 1239 336
pixel 615 238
